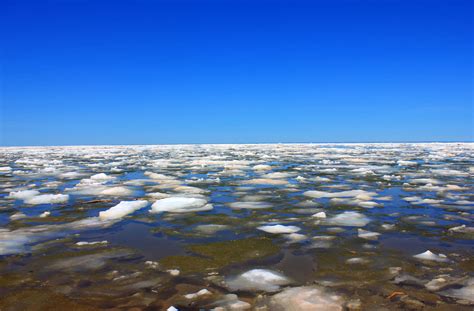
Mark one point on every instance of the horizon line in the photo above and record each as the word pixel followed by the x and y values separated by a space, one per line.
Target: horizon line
pixel 256 143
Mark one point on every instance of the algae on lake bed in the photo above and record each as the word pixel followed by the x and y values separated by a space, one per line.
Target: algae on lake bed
pixel 216 255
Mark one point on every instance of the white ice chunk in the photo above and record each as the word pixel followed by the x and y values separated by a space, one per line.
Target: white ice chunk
pixel 180 205
pixel 173 272
pixel 368 235
pixel 428 255
pixel 357 260
pixel 158 195
pixel 279 229
pixel 340 194
pixel 301 179
pixel 47 199
pixel 101 177
pixel 189 189
pixel 18 215
pixel 202 292
pixel 367 204
pixel 83 243
pixel 117 191
pixel 296 237
pixel 231 302
pixel 5 169
pixel 45 214
pixel 23 194
pixel 18 241
pixel 262 167
pixel 122 209
pixel 249 205
pixel 406 163
pixel 351 219
pixel 277 175
pixel 462 229
pixel 152 264
pixel 320 215
pixel 265 181
pixel 211 228
pixel 259 280
pixel 306 298
pixel 388 226
pixel 466 292
pixel 70 175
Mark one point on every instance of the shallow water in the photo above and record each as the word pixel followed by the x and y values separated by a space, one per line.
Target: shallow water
pixel 221 231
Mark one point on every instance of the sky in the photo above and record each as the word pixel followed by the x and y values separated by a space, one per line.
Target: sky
pixel 79 72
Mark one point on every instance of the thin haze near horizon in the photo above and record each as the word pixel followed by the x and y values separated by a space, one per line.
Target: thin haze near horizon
pixel 79 72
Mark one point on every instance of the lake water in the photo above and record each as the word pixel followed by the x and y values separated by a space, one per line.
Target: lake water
pixel 238 227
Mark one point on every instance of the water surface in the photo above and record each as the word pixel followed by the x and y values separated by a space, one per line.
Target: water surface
pixel 340 223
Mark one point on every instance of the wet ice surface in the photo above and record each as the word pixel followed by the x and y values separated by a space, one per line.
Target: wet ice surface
pixel 236 227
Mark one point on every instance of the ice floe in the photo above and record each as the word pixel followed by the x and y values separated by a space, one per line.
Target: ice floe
pixel 173 272
pixel 466 292
pixel 265 181
pixel 428 255
pixel 357 260
pixel 202 292
pixel 23 194
pixel 180 205
pixel 320 215
pixel 368 235
pixel 47 199
pixel 101 177
pixel 306 298
pixel 230 302
pixel 122 209
pixel 117 191
pixel 45 214
pixel 296 237
pixel 262 167
pixel 340 194
pixel 462 229
pixel 258 280
pixel 18 215
pixel 211 228
pixel 18 240
pixel 5 169
pixel 250 205
pixel 85 243
pixel 279 229
pixel 351 219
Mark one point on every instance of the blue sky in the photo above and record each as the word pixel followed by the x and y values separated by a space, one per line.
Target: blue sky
pixel 223 71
